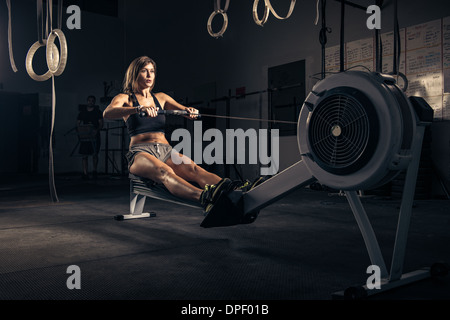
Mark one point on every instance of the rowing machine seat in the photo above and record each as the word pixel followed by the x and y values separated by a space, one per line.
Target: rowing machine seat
pixel 141 189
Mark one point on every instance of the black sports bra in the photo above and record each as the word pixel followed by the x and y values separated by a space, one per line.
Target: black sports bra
pixel 137 124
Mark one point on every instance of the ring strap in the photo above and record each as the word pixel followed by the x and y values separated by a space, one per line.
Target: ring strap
pixel 217 5
pixel 40 21
pixel 11 55
pixel 60 13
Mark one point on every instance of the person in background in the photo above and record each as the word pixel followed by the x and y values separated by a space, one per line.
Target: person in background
pixel 89 124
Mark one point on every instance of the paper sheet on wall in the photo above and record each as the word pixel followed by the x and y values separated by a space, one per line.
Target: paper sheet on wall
pixel 446 53
pixel 423 35
pixel 427 84
pixel 332 59
pixel 423 60
pixel 356 53
pixel 360 53
pixel 424 64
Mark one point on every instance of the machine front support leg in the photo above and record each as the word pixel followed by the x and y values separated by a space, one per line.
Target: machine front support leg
pixel 367 232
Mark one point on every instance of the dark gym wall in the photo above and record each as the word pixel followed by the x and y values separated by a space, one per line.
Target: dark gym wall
pixel 174 34
pixel 95 55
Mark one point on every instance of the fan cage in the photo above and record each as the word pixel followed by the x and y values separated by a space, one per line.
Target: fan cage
pixel 343 130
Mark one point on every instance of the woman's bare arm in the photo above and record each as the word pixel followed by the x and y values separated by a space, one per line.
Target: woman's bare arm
pixel 169 103
pixel 119 108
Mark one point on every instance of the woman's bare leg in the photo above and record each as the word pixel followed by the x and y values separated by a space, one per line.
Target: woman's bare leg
pixel 148 166
pixel 193 172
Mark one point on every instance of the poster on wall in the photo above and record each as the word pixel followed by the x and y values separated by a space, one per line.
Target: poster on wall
pixel 424 64
pixel 446 67
pixel 424 60
pixel 332 59
pixel 387 46
pixel 360 54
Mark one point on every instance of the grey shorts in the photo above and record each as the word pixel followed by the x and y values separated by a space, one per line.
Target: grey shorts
pixel 161 151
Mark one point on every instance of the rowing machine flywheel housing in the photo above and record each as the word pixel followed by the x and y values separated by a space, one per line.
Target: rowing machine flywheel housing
pixel 356 130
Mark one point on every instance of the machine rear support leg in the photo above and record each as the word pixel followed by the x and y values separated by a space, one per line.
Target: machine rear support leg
pixel 396 277
pixel 406 207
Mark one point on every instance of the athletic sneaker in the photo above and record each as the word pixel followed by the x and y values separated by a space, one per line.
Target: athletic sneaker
pixel 239 185
pixel 211 192
pixel 247 185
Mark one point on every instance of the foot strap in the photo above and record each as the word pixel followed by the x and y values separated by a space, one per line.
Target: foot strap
pixel 228 211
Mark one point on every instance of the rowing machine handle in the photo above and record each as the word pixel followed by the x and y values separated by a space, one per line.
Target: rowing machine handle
pixel 169 112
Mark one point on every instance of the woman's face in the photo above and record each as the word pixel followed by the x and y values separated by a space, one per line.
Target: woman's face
pixel 146 78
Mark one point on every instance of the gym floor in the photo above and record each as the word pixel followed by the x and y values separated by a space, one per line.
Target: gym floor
pixel 306 246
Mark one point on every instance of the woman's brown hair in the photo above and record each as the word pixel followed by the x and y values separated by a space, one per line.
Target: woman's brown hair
pixel 130 79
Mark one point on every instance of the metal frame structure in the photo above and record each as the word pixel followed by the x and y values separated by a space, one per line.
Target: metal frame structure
pixel 298 176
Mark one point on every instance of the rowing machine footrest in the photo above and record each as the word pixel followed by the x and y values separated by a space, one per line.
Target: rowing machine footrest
pixel 228 211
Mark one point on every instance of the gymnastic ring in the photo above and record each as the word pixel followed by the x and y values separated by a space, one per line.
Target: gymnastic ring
pixel 224 26
pixel 267 9
pixel 29 61
pixel 56 68
pixel 255 14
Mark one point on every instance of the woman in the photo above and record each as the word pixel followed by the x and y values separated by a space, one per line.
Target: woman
pixel 150 155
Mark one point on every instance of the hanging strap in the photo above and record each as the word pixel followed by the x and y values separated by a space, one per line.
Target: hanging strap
pixel 342 42
pixel 217 5
pixel 11 55
pixel 60 13
pixel 323 33
pixel 51 174
pixel 397 40
pixel 40 21
pixel 378 54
